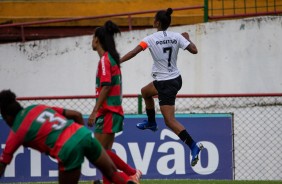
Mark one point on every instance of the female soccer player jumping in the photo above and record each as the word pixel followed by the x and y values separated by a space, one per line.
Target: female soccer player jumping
pixel 107 114
pixel 164 46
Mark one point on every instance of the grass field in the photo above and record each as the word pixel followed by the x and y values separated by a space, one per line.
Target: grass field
pixel 183 182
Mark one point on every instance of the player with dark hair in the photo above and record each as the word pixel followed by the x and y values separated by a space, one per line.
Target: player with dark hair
pixel 164 46
pixel 57 132
pixel 107 114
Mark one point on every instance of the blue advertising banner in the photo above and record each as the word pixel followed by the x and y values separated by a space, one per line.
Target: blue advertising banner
pixel 159 155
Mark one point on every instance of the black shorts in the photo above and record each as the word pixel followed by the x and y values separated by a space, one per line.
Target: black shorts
pixel 167 90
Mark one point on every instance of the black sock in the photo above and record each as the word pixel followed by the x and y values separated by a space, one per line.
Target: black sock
pixel 186 138
pixel 151 115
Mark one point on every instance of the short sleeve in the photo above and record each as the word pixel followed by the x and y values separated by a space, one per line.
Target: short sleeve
pixel 12 144
pixel 58 110
pixel 106 76
pixel 183 42
pixel 145 43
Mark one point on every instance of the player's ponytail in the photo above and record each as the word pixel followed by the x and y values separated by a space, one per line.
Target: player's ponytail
pixel 164 17
pixel 169 12
pixel 105 35
pixel 111 28
pixel 8 104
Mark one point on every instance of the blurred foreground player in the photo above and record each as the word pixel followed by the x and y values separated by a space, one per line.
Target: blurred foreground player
pixel 57 132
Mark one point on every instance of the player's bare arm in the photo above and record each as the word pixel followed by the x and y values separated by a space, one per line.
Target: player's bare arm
pixel 191 47
pixel 131 54
pixel 74 115
pixel 101 98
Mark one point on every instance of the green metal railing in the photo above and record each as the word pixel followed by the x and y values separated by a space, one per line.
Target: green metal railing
pixel 224 9
pixel 206 11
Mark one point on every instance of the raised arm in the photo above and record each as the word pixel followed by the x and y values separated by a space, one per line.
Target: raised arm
pixel 131 54
pixel 191 47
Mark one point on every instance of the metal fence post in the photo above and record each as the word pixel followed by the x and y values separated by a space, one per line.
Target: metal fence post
pixel 139 104
pixel 22 33
pixel 206 10
pixel 129 23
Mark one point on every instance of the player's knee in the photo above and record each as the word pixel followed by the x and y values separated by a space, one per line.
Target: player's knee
pixel 144 93
pixel 143 90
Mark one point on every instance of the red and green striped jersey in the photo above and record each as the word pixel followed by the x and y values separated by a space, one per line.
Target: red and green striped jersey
pixel 42 128
pixel 109 74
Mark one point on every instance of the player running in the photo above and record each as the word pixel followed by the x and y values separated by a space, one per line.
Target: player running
pixel 48 130
pixel 164 46
pixel 107 114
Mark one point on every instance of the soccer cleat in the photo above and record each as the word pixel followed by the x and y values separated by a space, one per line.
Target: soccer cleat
pixel 147 125
pixel 136 177
pixel 195 153
pixel 131 182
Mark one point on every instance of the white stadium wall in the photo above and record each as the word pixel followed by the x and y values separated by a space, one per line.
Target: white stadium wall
pixel 235 56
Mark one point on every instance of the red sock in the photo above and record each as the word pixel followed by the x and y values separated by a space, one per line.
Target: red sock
pixel 120 178
pixel 121 165
pixel 106 181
